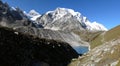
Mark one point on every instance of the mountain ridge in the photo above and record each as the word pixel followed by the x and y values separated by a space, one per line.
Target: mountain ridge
pixel 62 15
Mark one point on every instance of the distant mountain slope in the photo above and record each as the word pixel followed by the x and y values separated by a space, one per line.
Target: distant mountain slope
pixel 18 49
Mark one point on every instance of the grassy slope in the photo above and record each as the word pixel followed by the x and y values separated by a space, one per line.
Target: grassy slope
pixel 86 35
pixel 118 64
pixel 108 36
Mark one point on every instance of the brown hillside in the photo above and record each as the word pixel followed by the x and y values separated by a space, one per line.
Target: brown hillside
pixel 106 36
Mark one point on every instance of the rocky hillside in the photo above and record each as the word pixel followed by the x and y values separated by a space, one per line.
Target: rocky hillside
pixel 18 49
pixel 105 50
pixel 69 37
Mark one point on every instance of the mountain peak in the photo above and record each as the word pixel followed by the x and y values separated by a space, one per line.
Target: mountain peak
pixel 64 11
pixel 68 19
pixel 33 15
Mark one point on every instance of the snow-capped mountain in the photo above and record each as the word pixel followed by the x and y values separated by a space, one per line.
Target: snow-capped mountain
pixel 67 19
pixel 93 25
pixel 33 15
pixel 18 20
pixel 61 12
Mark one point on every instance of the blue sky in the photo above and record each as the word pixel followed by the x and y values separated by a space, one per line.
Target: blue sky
pixel 106 12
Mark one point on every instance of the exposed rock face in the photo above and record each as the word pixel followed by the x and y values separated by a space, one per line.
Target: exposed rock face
pixel 18 49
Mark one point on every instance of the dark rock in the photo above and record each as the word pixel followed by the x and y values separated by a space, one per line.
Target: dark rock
pixel 10 17
pixel 17 49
